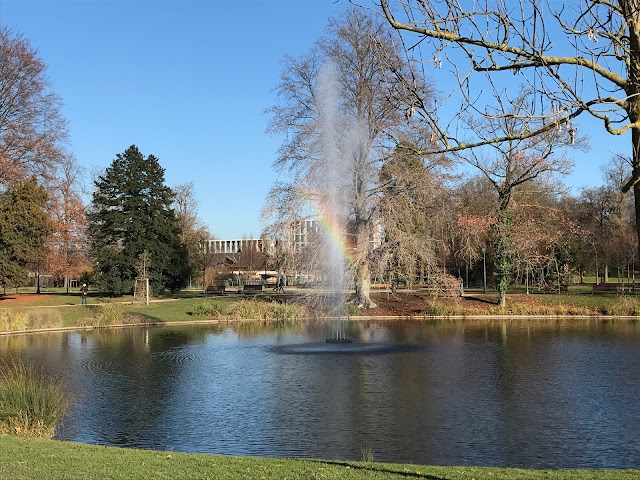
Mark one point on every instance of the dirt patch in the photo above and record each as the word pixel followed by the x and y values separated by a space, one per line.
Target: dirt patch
pixel 22 297
pixel 412 304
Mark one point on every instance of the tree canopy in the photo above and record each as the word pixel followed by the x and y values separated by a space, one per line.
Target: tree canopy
pixel 24 225
pixel 32 130
pixel 573 60
pixel 131 213
pixel 341 109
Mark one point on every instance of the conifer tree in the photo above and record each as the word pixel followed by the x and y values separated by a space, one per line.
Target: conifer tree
pixel 24 225
pixel 130 213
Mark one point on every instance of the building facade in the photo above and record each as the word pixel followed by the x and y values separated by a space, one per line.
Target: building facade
pixel 245 245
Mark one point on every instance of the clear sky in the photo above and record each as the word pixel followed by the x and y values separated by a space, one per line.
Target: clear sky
pixel 189 81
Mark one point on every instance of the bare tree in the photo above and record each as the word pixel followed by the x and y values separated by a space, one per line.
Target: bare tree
pixel 186 207
pixel 575 59
pixel 66 246
pixel 413 189
pixel 364 55
pixel 542 230
pixel 605 213
pixel 32 130
pixel 468 221
pixel 193 234
pixel 615 173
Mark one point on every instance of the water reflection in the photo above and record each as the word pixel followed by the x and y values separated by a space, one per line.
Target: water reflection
pixel 532 393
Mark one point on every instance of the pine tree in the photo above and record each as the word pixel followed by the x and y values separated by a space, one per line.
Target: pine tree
pixel 130 213
pixel 24 225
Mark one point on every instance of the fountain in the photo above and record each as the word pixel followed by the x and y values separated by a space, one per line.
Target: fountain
pixel 334 171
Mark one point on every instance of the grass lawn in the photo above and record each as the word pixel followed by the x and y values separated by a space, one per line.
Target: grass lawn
pixel 25 458
pixel 174 310
pixel 30 312
pixel 60 309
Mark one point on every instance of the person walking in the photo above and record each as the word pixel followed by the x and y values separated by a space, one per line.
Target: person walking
pixel 281 284
pixel 84 293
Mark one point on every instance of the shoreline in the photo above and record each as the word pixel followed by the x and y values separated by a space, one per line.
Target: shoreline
pixel 217 321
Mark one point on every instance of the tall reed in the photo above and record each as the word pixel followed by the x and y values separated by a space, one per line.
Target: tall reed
pixel 30 404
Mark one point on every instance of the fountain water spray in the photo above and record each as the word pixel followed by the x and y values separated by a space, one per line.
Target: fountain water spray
pixel 333 175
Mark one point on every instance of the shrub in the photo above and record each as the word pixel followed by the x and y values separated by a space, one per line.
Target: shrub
pixel 624 305
pixel 286 311
pixel 213 308
pixel 30 405
pixel 106 315
pixel 366 453
pixel 13 321
pixel 434 310
pixel 350 309
pixel 257 310
pixel 44 318
pixel 109 314
pixel 252 309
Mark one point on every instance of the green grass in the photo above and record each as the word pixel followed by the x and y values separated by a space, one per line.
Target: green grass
pixel 178 310
pixel 120 311
pixel 24 459
pixel 29 403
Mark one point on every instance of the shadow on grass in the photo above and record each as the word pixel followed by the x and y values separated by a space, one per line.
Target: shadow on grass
pixel 479 299
pixel 380 469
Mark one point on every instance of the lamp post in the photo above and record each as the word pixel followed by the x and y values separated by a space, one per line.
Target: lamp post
pixel 484 267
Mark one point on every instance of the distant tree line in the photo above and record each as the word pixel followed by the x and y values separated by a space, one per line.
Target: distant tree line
pixel 45 227
pixel 412 210
pixel 443 199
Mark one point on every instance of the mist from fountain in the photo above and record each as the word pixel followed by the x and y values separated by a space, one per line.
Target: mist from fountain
pixel 334 174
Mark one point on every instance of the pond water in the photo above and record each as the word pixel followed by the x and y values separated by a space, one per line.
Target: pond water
pixel 529 393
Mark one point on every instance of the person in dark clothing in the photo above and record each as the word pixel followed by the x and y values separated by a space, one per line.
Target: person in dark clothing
pixel 84 293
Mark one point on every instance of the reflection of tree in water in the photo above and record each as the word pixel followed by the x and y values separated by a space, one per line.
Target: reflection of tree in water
pixel 130 407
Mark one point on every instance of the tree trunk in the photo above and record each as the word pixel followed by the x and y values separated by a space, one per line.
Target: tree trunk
pixel 363 286
pixel 363 275
pixel 502 241
pixel 362 226
pixel 636 188
pixel 632 16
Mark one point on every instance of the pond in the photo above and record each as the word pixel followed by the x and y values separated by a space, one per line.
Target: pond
pixel 518 393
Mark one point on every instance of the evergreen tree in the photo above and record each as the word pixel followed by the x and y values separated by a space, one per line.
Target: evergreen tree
pixel 130 213
pixel 24 225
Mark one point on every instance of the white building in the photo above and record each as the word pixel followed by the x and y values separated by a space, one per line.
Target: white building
pixel 300 233
pixel 244 245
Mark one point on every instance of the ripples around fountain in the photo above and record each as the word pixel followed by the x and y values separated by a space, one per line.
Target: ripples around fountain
pixel 354 348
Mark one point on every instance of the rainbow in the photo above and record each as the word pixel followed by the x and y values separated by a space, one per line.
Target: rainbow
pixel 334 231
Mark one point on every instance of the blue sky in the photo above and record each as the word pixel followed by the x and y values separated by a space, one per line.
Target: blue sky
pixel 189 81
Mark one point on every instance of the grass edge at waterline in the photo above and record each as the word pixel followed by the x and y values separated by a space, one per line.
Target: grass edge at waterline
pixel 29 458
pixel 30 404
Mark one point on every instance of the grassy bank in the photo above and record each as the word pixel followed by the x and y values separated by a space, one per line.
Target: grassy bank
pixel 29 312
pixel 36 459
pixel 21 316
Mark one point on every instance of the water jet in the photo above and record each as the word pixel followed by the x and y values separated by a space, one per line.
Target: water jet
pixel 337 154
